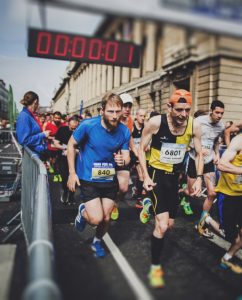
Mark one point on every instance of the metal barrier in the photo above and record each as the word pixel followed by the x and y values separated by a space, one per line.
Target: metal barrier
pixel 37 227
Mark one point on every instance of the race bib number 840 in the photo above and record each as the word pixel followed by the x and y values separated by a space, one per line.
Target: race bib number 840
pixel 172 153
pixel 104 171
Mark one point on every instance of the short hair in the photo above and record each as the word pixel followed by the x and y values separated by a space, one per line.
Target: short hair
pixel 199 113
pixel 29 98
pixel 113 98
pixel 216 103
pixel 74 118
pixel 57 113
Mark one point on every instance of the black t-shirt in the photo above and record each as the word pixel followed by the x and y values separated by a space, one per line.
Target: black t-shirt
pixel 63 135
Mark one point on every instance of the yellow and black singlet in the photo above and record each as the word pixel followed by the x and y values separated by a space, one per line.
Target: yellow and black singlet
pixel 168 150
pixel 231 184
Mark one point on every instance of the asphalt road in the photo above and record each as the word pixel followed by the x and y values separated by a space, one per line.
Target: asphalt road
pixel 190 262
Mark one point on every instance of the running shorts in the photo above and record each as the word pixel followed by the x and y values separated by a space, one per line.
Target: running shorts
pixel 230 215
pixel 91 190
pixel 165 194
pixel 191 169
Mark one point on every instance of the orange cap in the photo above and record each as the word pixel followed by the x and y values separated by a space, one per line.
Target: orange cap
pixel 181 94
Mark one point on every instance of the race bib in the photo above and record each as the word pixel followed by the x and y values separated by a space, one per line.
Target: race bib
pixel 238 179
pixel 172 153
pixel 136 141
pixel 207 145
pixel 103 171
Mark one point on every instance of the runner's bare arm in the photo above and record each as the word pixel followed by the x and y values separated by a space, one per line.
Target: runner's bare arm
pixel 232 129
pixel 71 154
pixel 197 187
pixel 225 162
pixel 151 127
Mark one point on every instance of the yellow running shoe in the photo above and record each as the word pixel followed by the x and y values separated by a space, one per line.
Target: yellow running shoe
pixel 228 264
pixel 115 213
pixel 156 278
pixel 201 223
pixel 56 178
pixel 145 214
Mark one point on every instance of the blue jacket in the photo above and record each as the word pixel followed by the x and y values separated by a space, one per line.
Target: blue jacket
pixel 29 133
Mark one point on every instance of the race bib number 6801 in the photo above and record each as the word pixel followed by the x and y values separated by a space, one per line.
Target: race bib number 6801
pixel 172 153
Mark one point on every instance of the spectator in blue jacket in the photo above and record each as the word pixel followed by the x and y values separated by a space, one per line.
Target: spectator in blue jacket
pixel 28 128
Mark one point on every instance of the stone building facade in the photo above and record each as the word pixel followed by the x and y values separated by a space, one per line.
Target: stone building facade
pixel 208 65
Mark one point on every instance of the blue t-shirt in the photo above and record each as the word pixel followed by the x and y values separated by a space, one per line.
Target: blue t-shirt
pixel 98 145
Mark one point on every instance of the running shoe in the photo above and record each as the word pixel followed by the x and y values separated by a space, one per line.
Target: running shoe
pixel 51 170
pixel 156 278
pixel 201 223
pixel 139 203
pixel 80 222
pixel 207 233
pixel 145 214
pixel 187 209
pixel 183 201
pixel 228 264
pixel 64 197
pixel 59 178
pixel 115 213
pixel 98 249
pixel 56 178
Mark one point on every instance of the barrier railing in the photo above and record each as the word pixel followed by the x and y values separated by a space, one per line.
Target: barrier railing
pixel 37 227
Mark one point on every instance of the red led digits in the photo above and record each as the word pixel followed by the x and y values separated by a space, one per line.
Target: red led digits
pixel 43 43
pixel 131 53
pixel 111 51
pixel 78 47
pixel 95 49
pixel 71 47
pixel 61 45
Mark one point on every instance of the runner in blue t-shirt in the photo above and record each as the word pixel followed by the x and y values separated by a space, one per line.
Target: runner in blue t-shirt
pixel 104 143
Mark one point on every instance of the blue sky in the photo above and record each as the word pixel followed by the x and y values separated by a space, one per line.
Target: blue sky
pixel 25 73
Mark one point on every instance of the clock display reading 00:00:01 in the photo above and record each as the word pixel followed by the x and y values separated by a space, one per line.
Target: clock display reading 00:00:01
pixel 71 47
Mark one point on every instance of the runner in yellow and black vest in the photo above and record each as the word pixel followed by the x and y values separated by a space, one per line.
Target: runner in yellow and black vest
pixel 229 200
pixel 169 135
pixel 229 190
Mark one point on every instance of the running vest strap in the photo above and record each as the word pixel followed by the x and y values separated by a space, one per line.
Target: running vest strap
pixel 136 134
pixel 167 150
pixel 231 184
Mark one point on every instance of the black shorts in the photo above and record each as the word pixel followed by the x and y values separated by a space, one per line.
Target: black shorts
pixel 165 194
pixel 230 215
pixel 191 169
pixel 92 190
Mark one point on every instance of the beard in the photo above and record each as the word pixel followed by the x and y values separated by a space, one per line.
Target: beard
pixel 111 125
pixel 57 123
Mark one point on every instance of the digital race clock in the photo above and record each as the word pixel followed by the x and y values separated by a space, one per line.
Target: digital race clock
pixel 72 47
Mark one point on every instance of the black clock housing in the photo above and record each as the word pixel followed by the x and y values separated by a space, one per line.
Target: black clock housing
pixel 72 47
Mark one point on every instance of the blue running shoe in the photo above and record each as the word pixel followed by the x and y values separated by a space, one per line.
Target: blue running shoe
pixel 98 249
pixel 80 222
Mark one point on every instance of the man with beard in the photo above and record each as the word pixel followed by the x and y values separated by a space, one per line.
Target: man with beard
pixel 104 143
pixel 211 127
pixel 169 135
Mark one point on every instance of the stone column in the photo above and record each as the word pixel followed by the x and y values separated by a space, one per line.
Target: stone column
pixel 151 44
pixel 137 31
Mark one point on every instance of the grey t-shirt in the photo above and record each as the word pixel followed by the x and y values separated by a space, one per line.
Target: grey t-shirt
pixel 210 132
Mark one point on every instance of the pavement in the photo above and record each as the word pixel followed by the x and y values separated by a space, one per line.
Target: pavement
pixel 190 262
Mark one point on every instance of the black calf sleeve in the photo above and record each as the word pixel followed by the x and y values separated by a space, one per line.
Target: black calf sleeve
pixel 156 248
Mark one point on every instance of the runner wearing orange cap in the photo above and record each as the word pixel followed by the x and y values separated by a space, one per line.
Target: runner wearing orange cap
pixel 169 135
